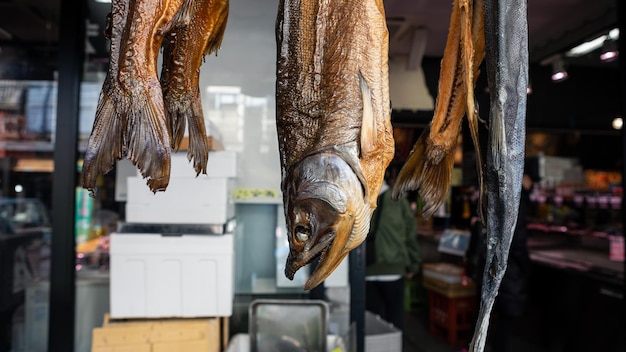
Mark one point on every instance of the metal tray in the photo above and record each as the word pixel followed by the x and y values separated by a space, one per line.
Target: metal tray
pixel 178 229
pixel 288 325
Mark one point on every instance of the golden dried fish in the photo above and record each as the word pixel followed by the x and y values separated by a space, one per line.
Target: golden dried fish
pixel 428 168
pixel 333 121
pixel 130 117
pixel 106 140
pixel 196 31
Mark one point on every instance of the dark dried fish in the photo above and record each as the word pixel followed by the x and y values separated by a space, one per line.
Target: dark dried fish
pixel 506 37
pixel 333 122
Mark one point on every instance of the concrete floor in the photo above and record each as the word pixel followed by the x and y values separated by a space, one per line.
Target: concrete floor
pixel 417 338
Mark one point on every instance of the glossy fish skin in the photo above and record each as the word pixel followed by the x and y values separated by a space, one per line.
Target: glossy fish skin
pixel 105 145
pixel 333 121
pixel 130 117
pixel 506 36
pixel 428 168
pixel 196 30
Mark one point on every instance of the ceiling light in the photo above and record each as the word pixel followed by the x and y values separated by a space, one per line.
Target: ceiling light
pixel 558 70
pixel 617 123
pixel 104 1
pixel 591 45
pixel 609 51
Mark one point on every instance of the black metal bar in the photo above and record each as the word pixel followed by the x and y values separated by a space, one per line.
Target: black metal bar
pixel 357 295
pixel 621 20
pixel 63 253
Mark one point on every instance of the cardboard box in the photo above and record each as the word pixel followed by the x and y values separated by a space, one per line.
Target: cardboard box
pixel 169 335
pixel 450 290
pixel 443 271
pixel 156 276
pixel 186 201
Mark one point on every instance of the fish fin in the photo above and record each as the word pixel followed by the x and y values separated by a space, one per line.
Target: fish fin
pixel 368 124
pixel 431 178
pixel 470 41
pixel 177 115
pixel 198 144
pixel 147 138
pixel 184 15
pixel 186 112
pixel 105 144
pixel 361 226
pixel 219 27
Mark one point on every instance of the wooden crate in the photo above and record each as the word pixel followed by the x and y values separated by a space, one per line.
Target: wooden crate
pixel 161 335
pixel 452 310
pixel 448 289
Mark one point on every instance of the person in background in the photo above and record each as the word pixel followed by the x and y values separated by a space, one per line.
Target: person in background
pixel 512 297
pixel 393 255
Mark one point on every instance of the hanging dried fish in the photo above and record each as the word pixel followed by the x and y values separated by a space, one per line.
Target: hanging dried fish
pixel 506 37
pixel 334 130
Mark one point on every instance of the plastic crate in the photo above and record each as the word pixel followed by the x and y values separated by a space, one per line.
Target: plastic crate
pixel 452 317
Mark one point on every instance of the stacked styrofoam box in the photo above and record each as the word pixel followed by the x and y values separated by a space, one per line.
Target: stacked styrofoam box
pixel 381 336
pixel 154 275
pixel 157 276
pixel 205 199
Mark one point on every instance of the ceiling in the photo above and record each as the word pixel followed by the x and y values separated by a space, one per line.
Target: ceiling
pixel 554 25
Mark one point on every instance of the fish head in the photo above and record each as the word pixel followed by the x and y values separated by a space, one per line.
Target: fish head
pixel 326 215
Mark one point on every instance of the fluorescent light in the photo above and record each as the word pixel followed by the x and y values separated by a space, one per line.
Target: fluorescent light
pixel 104 1
pixel 586 47
pixel 591 45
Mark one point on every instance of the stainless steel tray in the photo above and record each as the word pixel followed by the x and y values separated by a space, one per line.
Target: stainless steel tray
pixel 179 229
pixel 288 325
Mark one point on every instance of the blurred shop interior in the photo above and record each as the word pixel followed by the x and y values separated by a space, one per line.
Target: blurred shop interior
pixel 210 251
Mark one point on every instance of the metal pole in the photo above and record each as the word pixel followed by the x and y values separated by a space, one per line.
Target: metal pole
pixel 621 20
pixel 63 253
pixel 357 295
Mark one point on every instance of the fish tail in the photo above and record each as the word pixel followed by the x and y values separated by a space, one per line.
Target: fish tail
pixel 177 115
pixel 430 179
pixel 147 139
pixel 191 116
pixel 105 144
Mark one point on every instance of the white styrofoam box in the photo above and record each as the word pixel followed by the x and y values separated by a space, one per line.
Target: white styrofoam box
pixel 222 163
pixel 186 201
pixel 211 215
pixel 381 335
pixel 155 276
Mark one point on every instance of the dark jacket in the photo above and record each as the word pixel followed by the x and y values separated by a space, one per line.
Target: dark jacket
pixel 395 239
pixel 513 294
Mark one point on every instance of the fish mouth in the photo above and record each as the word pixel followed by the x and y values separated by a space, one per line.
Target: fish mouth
pixel 323 210
pixel 318 248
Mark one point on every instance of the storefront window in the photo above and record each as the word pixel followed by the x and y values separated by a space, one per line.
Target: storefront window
pixel 29 32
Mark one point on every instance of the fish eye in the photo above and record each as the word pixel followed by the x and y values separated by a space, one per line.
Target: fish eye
pixel 302 233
